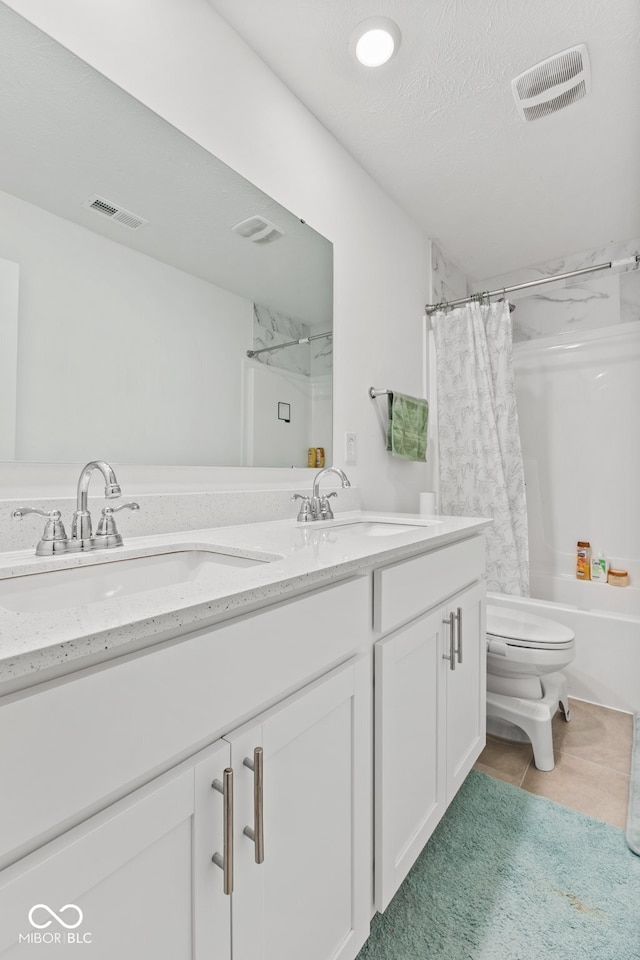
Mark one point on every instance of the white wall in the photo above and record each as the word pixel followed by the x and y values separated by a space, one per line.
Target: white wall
pixel 321 413
pixel 269 440
pixel 183 61
pixel 160 339
pixel 9 286
pixel 576 405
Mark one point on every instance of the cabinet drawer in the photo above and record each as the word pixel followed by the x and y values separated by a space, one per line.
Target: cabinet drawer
pixel 407 589
pixel 69 747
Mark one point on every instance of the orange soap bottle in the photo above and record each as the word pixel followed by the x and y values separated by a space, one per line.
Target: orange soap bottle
pixel 583 560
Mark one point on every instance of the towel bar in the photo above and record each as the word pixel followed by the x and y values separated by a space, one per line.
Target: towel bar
pixel 373 393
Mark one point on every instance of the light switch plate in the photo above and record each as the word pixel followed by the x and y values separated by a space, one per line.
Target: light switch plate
pixel 351 449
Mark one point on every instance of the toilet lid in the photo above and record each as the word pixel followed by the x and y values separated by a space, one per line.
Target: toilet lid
pixel 519 627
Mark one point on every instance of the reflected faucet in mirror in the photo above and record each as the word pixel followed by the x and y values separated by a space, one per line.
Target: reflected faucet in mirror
pixel 54 540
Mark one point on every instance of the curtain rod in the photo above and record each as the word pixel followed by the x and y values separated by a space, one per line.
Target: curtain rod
pixel 289 343
pixel 432 307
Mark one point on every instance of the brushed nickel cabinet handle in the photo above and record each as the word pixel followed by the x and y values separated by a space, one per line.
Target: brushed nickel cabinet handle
pixel 451 656
pixel 225 861
pixel 256 833
pixel 459 619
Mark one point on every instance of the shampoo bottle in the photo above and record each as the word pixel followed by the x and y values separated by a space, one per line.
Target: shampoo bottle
pixel 583 560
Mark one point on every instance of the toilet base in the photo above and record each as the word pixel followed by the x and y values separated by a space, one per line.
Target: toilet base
pixel 531 717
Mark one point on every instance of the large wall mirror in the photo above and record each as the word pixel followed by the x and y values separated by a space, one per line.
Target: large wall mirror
pixel 128 302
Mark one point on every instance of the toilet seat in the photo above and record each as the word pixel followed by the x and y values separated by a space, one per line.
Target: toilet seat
pixel 522 629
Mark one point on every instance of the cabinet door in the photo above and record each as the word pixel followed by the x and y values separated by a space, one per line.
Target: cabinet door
pixel 311 895
pixel 123 882
pixel 410 777
pixel 466 686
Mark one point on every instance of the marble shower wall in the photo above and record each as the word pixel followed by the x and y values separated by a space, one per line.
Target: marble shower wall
pixel 321 358
pixel 448 282
pixel 571 306
pixel 308 359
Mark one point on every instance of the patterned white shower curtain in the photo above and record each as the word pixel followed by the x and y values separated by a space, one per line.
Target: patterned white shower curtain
pixel 481 471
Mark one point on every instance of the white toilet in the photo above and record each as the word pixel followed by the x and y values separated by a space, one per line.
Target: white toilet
pixel 524 687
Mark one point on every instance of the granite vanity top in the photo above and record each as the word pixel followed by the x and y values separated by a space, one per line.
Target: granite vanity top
pixel 37 645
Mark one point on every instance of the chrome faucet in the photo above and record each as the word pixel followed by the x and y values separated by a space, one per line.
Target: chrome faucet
pixel 81 526
pixel 55 540
pixel 317 507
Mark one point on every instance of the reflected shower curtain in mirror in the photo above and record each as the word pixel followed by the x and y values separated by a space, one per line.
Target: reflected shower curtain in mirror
pixel 481 470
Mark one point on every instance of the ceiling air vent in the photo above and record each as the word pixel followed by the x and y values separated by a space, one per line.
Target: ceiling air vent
pixel 258 229
pixel 114 212
pixel 553 84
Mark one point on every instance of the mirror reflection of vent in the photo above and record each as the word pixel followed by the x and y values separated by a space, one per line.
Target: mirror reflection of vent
pixel 114 212
pixel 553 84
pixel 258 230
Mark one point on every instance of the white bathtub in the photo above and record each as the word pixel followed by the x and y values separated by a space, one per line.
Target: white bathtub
pixel 606 622
pixel 590 594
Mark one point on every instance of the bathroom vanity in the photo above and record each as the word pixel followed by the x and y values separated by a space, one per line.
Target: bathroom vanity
pixel 188 770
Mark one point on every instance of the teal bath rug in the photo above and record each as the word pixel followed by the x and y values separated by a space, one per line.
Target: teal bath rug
pixel 511 876
pixel 633 819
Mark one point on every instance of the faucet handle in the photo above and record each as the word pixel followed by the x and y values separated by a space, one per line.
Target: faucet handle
pixel 106 524
pixel 130 505
pixel 325 507
pixel 305 514
pixel 54 528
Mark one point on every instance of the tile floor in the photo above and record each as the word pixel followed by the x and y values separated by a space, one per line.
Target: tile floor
pixel 593 762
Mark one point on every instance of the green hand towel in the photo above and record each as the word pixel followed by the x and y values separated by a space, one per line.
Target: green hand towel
pixel 407 427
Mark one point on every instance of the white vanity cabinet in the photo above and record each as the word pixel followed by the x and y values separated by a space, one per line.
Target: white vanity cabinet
pixel 310 897
pixel 108 802
pixel 142 871
pixel 141 868
pixel 466 685
pixel 430 677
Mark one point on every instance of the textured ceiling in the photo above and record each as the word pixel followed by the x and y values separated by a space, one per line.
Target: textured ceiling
pixel 438 129
pixel 68 133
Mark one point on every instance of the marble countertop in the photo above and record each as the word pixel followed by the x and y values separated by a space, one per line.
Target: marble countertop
pixel 35 646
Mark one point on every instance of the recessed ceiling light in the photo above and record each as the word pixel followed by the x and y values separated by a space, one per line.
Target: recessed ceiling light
pixel 374 41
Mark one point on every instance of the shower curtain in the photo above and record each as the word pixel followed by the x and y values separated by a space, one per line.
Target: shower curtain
pixel 481 471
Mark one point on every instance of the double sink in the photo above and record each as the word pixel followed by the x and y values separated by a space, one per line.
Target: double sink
pixel 113 578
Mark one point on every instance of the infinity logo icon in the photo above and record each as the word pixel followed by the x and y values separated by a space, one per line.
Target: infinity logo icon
pixel 55 916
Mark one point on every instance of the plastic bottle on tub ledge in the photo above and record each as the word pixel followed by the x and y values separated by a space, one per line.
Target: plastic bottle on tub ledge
pixel 583 560
pixel 599 568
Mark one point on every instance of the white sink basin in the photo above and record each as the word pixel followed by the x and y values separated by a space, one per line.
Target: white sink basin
pixel 76 586
pixel 383 528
